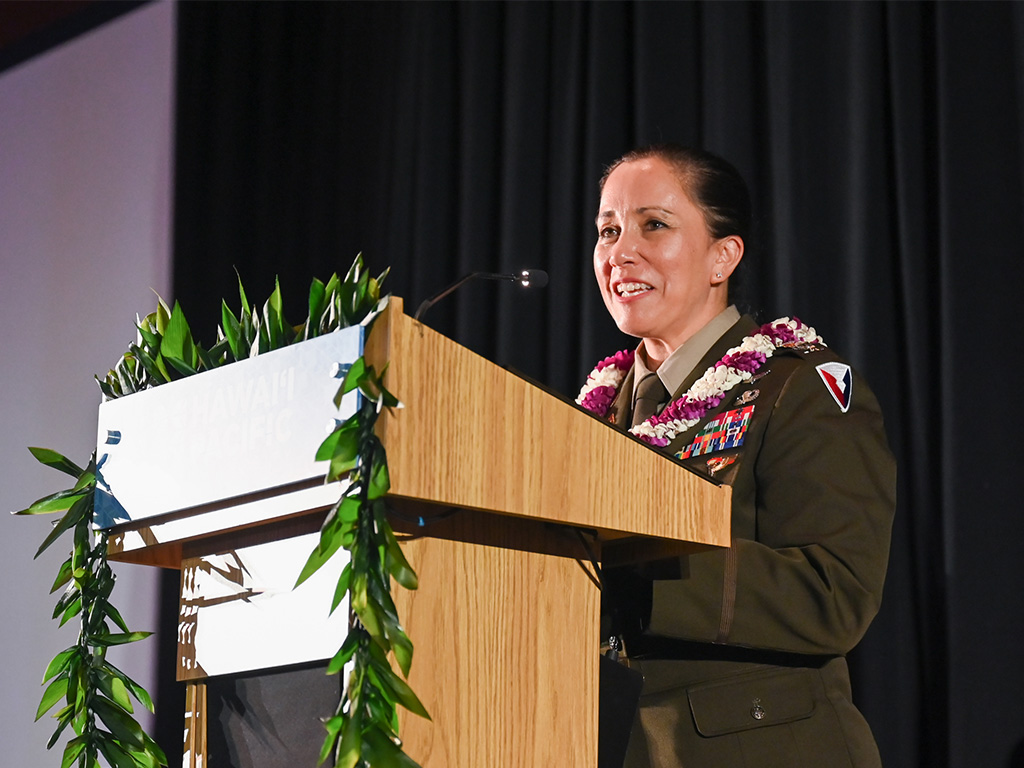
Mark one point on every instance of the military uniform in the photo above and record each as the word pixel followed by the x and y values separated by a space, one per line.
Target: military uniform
pixel 743 650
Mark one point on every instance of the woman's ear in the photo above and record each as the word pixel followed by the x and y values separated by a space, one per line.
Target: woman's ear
pixel 728 253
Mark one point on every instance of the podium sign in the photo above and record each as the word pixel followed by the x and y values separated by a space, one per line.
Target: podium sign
pixel 236 443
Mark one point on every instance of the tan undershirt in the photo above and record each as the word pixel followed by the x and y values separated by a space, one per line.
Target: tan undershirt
pixel 680 363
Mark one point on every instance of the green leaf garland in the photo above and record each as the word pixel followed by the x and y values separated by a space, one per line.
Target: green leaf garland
pixel 95 693
pixel 97 696
pixel 363 731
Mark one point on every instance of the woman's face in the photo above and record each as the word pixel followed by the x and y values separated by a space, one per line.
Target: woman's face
pixel 655 260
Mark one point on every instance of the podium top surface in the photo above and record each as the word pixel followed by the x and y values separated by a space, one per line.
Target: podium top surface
pixel 475 435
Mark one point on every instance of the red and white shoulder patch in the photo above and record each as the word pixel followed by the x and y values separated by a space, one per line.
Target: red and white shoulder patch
pixel 838 380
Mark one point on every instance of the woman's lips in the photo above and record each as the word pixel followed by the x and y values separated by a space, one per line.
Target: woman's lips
pixel 629 289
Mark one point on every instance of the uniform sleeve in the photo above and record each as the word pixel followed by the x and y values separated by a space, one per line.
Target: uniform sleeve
pixel 811 582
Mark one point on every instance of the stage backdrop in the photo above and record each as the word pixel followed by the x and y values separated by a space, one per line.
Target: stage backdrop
pixel 85 172
pixel 883 146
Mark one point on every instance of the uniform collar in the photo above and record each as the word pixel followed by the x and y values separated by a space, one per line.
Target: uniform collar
pixel 680 364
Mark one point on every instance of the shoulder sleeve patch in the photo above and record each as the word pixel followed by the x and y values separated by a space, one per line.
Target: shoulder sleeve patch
pixel 839 382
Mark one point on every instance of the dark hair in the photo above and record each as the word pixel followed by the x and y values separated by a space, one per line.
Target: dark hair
pixel 713 185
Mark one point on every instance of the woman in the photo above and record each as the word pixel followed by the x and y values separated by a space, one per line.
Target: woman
pixel 742 650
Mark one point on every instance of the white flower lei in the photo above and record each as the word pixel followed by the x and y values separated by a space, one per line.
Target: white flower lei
pixel 707 392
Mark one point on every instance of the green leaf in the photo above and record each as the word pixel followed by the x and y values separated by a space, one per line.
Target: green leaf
pixel 328 314
pixel 343 445
pixel 177 347
pixel 112 612
pixel 78 680
pixel 65 600
pixel 317 294
pixel 57 502
pixel 341 658
pixel 348 292
pixel 64 718
pixel 87 480
pixel 398 566
pixel 398 640
pixel 274 319
pixel 332 285
pixel 181 367
pixel 341 466
pixel 380 481
pixel 56 460
pixel 372 292
pixel 356 310
pixel 333 726
pixel 60 662
pixel 232 331
pixel 74 748
pixel 163 316
pixel 140 693
pixel 115 689
pixel 317 558
pixel 63 576
pixel 219 354
pixel 241 295
pixel 336 524
pixel 143 759
pixel 348 509
pixel 71 610
pixel 121 724
pixel 351 381
pixel 342 588
pixel 382 712
pixel 115 755
pixel 400 690
pixel 106 388
pixel 205 360
pixel 106 639
pixel 149 338
pixel 382 752
pixel 388 399
pixel 326 450
pixel 154 366
pixel 401 646
pixel 153 750
pixel 351 740
pixel 368 614
pixel 54 692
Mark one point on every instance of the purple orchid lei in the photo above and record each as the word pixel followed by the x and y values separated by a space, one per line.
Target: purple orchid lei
pixel 739 364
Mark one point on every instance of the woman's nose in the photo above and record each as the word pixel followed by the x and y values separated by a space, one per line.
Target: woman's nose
pixel 625 251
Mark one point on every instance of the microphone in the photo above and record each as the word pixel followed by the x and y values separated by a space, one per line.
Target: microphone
pixel 528 278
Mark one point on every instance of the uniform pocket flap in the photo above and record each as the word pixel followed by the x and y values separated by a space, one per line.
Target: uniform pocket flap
pixel 753 701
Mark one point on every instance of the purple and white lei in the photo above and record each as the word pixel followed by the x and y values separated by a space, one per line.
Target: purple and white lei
pixel 739 364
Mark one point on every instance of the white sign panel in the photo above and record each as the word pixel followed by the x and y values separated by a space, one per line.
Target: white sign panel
pixel 250 426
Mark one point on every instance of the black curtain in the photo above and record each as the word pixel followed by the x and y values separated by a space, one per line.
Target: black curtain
pixel 882 143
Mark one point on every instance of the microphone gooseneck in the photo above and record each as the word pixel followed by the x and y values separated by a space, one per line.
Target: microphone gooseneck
pixel 527 278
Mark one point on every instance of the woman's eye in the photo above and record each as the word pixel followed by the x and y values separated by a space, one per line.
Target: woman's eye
pixel 607 232
pixel 655 224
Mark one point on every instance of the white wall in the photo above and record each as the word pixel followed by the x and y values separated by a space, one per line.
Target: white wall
pixel 85 197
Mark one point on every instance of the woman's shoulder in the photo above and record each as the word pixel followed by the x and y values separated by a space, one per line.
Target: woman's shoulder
pixel 814 376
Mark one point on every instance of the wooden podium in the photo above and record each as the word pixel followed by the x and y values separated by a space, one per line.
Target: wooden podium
pixel 504 494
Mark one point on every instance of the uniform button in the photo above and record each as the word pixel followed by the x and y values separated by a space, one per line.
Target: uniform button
pixel 757 711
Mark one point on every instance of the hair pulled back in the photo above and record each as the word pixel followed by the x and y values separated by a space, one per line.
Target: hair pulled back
pixel 711 183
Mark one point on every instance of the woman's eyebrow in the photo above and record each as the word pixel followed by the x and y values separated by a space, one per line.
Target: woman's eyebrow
pixel 643 209
pixel 647 208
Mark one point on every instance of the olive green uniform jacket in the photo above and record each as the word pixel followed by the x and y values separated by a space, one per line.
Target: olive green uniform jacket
pixel 743 650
